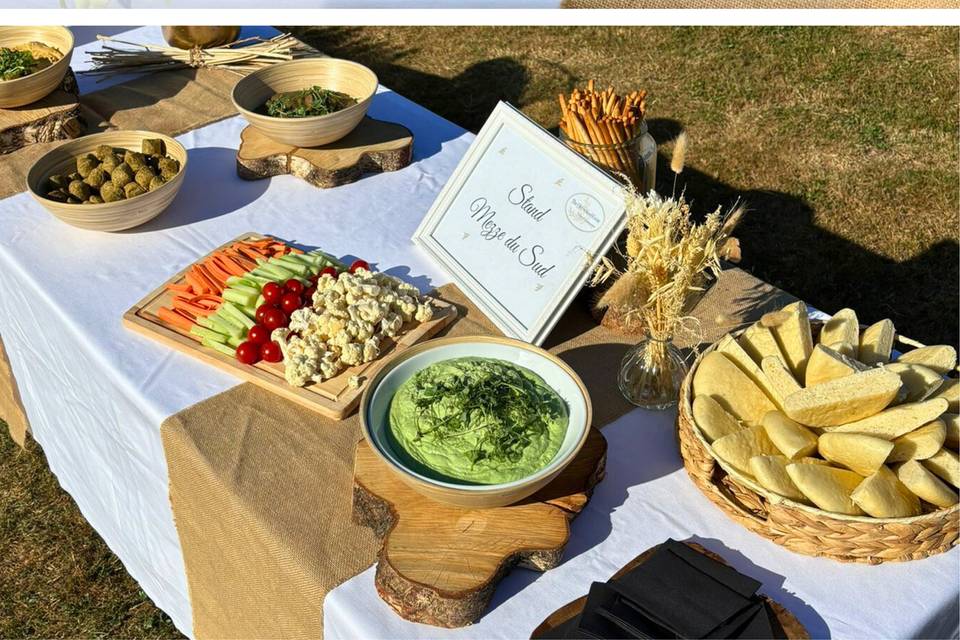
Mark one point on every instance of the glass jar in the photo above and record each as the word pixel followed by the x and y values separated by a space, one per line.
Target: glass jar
pixel 651 374
pixel 635 158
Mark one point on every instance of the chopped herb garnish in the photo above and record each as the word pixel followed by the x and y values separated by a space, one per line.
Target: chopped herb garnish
pixel 315 101
pixel 501 410
pixel 15 63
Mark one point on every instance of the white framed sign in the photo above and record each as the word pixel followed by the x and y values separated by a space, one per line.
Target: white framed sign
pixel 521 223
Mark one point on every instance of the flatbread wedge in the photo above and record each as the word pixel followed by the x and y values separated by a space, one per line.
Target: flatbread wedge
pixel 942 358
pixel 920 382
pixel 782 381
pixel 737 448
pixel 952 423
pixel 771 474
pixel 859 453
pixel 923 483
pixel 729 346
pixel 920 443
pixel 794 337
pixel 719 377
pixel 876 343
pixel 826 364
pixel 712 419
pixel 882 495
pixel 894 422
pixel 842 327
pixel 950 391
pixel 758 341
pixel 792 439
pixel 827 487
pixel 843 400
pixel 946 464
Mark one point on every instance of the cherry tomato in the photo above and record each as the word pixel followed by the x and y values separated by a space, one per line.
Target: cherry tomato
pixel 308 296
pixel 248 353
pixel 290 302
pixel 272 292
pixel 359 264
pixel 328 271
pixel 258 334
pixel 262 311
pixel 314 278
pixel 270 352
pixel 294 286
pixel 274 319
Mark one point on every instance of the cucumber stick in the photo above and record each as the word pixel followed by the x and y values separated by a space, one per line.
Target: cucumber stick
pixel 219 346
pixel 297 267
pixel 233 313
pixel 208 334
pixel 244 297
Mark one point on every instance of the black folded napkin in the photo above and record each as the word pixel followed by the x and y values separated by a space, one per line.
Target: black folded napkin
pixel 676 593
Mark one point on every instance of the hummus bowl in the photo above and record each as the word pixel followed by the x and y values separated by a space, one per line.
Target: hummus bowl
pixel 556 374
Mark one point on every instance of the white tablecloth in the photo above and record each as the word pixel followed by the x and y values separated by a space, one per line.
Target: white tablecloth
pixel 280 4
pixel 96 394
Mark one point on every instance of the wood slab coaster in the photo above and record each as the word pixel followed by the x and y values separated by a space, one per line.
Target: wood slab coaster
pixel 792 627
pixel 439 563
pixel 373 147
pixel 333 398
pixel 55 117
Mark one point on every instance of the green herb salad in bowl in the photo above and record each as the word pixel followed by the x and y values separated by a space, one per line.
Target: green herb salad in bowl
pixel 477 422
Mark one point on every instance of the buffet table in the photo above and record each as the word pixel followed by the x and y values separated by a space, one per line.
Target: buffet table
pixel 96 394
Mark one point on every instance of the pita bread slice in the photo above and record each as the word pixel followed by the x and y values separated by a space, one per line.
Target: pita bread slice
pixel 843 400
pixel 919 382
pixel 792 439
pixel 793 335
pixel 729 346
pixel 713 420
pixel 857 452
pixel 719 377
pixel 758 341
pixel 942 358
pixel 920 443
pixel 842 327
pixel 876 343
pixel 950 391
pixel 826 364
pixel 737 448
pixel 827 487
pixel 882 495
pixel 771 474
pixel 923 483
pixel 952 423
pixel 895 421
pixel 782 381
pixel 946 464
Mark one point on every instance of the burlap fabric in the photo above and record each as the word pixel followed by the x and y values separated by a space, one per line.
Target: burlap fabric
pixel 261 488
pixel 11 408
pixel 760 4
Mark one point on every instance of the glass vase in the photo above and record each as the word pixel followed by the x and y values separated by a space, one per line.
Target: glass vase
pixel 635 158
pixel 651 373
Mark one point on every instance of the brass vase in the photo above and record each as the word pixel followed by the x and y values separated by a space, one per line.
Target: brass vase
pixel 204 37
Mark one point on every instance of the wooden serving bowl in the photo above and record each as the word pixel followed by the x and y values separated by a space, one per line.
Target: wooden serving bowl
pixel 375 406
pixel 29 89
pixel 252 92
pixel 107 216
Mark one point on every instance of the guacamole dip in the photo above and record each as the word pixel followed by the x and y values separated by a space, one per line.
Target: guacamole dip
pixel 477 421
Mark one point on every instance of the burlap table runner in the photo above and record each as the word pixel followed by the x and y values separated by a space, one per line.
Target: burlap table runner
pixel 262 488
pixel 760 4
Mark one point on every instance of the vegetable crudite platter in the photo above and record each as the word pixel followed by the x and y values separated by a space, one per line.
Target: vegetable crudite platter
pixel 477 453
pixel 374 146
pixel 299 323
pixel 793 628
pixel 820 437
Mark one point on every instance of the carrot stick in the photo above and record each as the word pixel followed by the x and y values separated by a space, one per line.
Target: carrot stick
pixel 177 320
pixel 180 288
pixel 195 282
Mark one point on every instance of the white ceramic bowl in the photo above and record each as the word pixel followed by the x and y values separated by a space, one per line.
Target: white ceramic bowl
pixel 375 407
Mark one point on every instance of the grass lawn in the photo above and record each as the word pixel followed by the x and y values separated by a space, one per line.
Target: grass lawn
pixel 843 141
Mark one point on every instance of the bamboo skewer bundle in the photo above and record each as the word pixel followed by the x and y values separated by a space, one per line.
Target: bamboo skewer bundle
pixel 242 56
pixel 604 125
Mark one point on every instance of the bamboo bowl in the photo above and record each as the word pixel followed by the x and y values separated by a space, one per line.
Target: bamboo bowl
pixel 107 216
pixel 799 527
pixel 356 80
pixel 375 403
pixel 29 89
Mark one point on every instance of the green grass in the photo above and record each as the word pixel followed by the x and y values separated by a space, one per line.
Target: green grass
pixel 844 141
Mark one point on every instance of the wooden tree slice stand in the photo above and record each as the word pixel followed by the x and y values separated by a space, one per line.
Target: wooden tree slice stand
pixel 792 627
pixel 439 564
pixel 373 147
pixel 55 117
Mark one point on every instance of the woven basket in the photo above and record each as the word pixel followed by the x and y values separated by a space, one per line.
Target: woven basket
pixel 802 528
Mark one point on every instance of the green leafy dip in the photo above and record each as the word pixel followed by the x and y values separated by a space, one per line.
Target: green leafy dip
pixel 476 421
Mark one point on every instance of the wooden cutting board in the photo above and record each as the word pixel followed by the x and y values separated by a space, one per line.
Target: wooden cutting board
pixel 55 117
pixel 439 563
pixel 333 398
pixel 373 147
pixel 792 627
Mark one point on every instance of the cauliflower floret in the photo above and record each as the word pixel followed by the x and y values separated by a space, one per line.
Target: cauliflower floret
pixel 391 324
pixel 301 361
pixel 330 366
pixel 351 354
pixel 301 319
pixel 370 290
pixel 325 283
pixel 340 339
pixel 354 382
pixel 369 310
pixel 424 312
pixel 371 349
pixel 407 306
pixel 407 289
